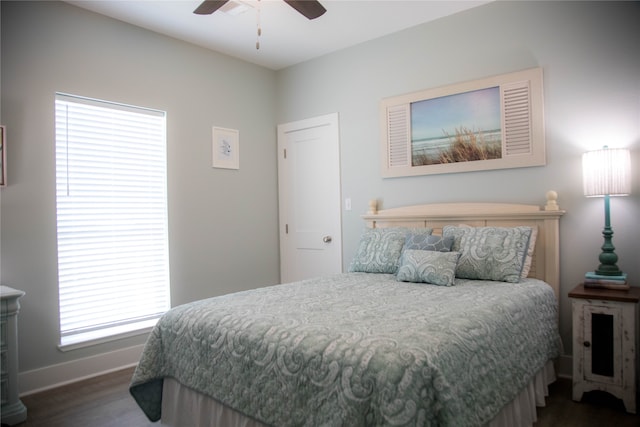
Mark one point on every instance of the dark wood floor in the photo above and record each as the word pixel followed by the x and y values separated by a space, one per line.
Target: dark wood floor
pixel 597 409
pixel 98 402
pixel 105 402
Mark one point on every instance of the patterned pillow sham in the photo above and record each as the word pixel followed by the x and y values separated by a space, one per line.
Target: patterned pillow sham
pixel 428 242
pixel 528 260
pixel 490 253
pixel 379 249
pixel 437 268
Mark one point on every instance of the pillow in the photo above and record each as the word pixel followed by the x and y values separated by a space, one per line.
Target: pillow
pixel 529 258
pixel 433 267
pixel 490 253
pixel 380 248
pixel 428 242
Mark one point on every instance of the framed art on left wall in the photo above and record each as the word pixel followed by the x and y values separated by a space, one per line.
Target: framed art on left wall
pixel 3 156
pixel 225 148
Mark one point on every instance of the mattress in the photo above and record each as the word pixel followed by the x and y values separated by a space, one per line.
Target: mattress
pixel 356 349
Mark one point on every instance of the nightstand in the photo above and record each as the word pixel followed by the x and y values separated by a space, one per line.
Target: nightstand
pixel 605 342
pixel 12 410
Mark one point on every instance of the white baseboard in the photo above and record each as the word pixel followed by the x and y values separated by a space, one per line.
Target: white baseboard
pixel 41 379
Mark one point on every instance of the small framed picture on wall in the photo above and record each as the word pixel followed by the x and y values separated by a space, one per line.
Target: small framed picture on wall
pixel 225 148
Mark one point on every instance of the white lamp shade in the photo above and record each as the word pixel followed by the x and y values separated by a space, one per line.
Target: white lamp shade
pixel 607 171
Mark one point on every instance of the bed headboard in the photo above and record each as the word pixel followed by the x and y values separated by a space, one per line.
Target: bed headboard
pixel 546 258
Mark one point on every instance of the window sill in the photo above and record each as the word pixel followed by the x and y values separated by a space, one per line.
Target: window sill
pixel 92 338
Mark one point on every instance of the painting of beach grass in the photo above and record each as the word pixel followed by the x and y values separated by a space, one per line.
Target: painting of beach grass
pixel 463 127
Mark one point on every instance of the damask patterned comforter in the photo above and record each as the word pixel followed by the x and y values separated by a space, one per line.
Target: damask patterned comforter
pixel 356 349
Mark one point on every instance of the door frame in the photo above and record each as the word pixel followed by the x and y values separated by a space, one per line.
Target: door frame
pixel 284 198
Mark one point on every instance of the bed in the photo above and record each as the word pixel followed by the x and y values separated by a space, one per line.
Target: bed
pixel 448 316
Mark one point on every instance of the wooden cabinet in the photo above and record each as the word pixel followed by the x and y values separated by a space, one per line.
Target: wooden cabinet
pixel 12 411
pixel 605 342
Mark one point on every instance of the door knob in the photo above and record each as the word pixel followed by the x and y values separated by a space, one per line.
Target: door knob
pixel 327 239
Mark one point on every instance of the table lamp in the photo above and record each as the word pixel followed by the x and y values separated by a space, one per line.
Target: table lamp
pixel 607 172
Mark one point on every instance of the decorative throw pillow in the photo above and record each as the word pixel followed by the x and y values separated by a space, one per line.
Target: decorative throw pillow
pixel 433 267
pixel 490 253
pixel 380 248
pixel 428 242
pixel 529 258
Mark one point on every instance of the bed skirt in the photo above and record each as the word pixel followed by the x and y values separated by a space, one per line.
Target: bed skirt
pixel 183 407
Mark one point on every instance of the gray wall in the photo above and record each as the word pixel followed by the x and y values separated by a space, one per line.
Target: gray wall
pixel 220 220
pixel 590 53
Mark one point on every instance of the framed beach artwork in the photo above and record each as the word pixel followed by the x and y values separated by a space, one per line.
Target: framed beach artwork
pixel 493 123
pixel 3 156
pixel 225 148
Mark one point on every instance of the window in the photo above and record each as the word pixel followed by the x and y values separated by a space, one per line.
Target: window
pixel 111 200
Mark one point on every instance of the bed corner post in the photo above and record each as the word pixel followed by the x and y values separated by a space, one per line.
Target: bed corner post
pixel 552 253
pixel 373 210
pixel 552 204
pixel 373 207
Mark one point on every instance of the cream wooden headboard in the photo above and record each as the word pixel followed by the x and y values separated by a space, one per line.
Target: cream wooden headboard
pixel 546 258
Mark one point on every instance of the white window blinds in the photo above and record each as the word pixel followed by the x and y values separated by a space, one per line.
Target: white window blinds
pixel 113 261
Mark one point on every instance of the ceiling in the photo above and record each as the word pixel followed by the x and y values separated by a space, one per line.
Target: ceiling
pixel 287 37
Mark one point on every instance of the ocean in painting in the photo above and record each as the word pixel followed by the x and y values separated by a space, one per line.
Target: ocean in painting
pixel 469 121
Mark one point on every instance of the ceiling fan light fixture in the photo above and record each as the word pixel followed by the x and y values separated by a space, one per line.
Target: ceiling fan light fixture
pixel 311 9
pixel 235 8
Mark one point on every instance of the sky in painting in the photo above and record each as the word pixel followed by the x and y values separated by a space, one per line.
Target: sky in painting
pixel 478 110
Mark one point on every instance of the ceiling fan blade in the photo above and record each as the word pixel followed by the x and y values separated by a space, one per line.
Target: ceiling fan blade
pixel 207 7
pixel 309 8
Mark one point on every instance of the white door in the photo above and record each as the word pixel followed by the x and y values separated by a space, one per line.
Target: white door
pixel 309 192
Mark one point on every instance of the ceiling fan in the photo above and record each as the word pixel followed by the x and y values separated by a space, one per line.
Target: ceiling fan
pixel 309 8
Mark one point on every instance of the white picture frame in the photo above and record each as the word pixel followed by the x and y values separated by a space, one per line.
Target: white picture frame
pixel 522 135
pixel 225 148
